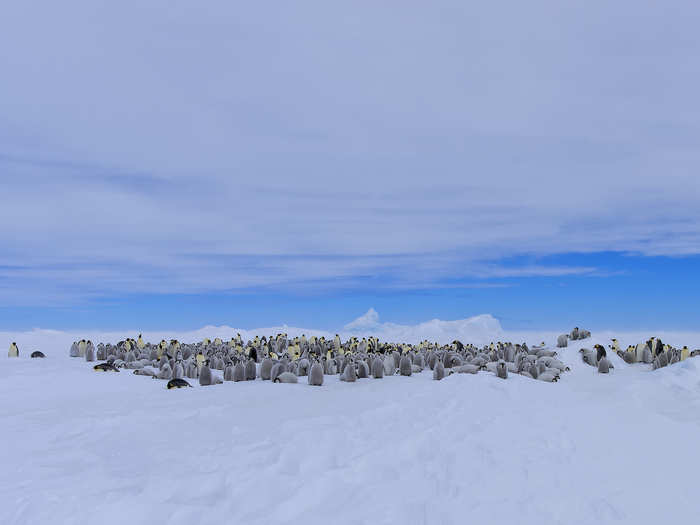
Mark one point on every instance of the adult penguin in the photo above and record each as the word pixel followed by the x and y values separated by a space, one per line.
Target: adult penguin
pixel 82 345
pixel 139 343
pixel 36 354
pixel 316 374
pixel 13 351
pixel 177 383
pixel 600 352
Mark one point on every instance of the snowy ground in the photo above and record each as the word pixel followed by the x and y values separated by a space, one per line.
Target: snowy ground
pixel 80 447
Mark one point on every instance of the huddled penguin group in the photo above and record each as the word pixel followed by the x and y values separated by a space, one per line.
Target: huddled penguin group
pixel 575 335
pixel 279 359
pixel 653 352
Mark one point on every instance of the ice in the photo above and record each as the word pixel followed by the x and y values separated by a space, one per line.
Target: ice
pixel 83 447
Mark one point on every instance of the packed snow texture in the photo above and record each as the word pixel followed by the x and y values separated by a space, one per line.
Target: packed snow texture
pixel 82 447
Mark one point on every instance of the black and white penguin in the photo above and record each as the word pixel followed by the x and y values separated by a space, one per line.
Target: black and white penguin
pixel 177 383
pixel 105 367
pixel 13 351
pixel 37 353
pixel 501 369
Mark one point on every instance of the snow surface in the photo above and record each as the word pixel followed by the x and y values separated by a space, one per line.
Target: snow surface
pixel 84 447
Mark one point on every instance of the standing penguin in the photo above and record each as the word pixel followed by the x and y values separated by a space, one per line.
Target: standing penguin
pixel 405 367
pixel 377 368
pixel 250 370
pixel 74 352
pixel 604 365
pixel 316 374
pixel 89 352
pixel 438 371
pixel 349 375
pixel 13 351
pixel 239 372
pixel 501 369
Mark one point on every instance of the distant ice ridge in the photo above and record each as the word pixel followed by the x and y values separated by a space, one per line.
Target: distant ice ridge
pixel 480 329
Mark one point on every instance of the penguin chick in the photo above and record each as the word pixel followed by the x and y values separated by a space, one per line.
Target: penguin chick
pixel 286 377
pixel 604 366
pixel 405 368
pixel 439 371
pixel 501 369
pixel 378 368
pixel 316 375
pixel 588 356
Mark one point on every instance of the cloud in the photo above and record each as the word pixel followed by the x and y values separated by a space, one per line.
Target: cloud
pixel 166 149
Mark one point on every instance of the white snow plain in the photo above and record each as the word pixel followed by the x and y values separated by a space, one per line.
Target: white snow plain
pixel 80 447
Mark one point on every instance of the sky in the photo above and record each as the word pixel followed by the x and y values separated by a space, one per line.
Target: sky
pixel 172 164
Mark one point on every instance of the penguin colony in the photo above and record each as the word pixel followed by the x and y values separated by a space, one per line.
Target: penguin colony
pixel 279 359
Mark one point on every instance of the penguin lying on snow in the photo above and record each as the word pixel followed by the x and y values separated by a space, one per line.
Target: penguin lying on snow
pixel 37 353
pixel 105 367
pixel 286 377
pixel 177 383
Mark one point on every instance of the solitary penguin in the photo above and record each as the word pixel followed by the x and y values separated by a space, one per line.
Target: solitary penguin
pixel 177 383
pixel 13 351
pixel 105 367
pixel 37 353
pixel 562 341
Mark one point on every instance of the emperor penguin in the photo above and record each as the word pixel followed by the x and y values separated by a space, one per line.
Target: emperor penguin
pixel 89 352
pixel 378 368
pixel 349 375
pixel 74 352
pixel 81 348
pixel 604 365
pixel 685 353
pixel 405 368
pixel 37 353
pixel 362 370
pixel 239 372
pixel 139 343
pixel 13 351
pixel 588 356
pixel 389 365
pixel 438 371
pixel 562 341
pixel 250 370
pixel 600 352
pixel 316 374
pixel 286 377
pixel 501 369
pixel 205 376
pixel 177 383
pixel 266 369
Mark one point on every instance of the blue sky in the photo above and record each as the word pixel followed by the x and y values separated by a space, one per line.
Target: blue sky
pixel 171 165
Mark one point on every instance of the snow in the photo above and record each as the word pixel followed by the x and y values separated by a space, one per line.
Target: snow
pixel 82 447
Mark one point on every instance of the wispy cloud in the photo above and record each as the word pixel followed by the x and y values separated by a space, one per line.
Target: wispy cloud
pixel 228 149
